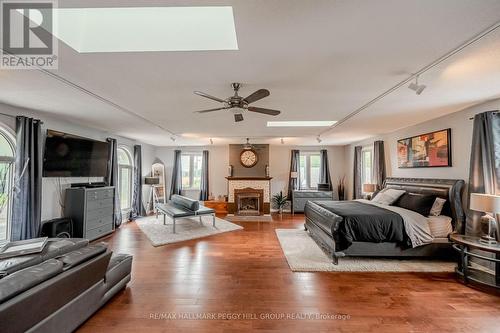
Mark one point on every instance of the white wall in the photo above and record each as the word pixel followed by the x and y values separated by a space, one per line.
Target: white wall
pixel 461 138
pixel 50 191
pixel 279 165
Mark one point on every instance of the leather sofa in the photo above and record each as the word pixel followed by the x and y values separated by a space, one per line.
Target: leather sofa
pixel 61 287
pixel 301 197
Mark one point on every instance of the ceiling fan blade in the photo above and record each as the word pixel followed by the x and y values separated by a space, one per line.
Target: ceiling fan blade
pixel 211 110
pixel 238 117
pixel 202 94
pixel 264 111
pixel 259 94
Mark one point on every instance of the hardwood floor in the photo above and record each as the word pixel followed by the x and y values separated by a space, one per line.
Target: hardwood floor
pixel 245 272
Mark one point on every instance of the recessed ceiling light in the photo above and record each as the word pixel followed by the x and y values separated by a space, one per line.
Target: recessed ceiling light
pixel 141 29
pixel 301 123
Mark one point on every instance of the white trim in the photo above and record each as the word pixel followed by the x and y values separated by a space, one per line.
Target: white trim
pixel 8 134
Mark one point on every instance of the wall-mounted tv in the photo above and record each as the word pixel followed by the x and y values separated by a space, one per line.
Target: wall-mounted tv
pixel 68 155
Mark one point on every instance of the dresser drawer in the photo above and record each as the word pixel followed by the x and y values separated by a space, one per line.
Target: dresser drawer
pixel 98 232
pixel 99 213
pixel 95 195
pixel 99 222
pixel 93 205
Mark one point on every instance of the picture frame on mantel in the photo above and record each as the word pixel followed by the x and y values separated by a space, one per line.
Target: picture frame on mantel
pixel 428 150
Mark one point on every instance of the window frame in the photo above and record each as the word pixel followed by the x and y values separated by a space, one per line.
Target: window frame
pixel 131 178
pixel 307 169
pixel 192 155
pixel 8 135
pixel 365 150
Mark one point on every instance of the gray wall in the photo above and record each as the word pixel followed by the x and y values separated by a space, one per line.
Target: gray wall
pixel 259 170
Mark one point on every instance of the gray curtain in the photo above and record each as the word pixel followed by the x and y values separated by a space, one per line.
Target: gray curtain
pixel 176 185
pixel 112 178
pixel 204 191
pixel 378 164
pixel 484 172
pixel 137 205
pixel 294 167
pixel 26 206
pixel 357 173
pixel 324 170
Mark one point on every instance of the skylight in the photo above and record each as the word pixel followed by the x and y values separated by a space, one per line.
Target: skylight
pixel 142 29
pixel 301 123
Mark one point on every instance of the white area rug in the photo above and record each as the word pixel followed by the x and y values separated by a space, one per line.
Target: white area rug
pixel 242 218
pixel 304 255
pixel 185 228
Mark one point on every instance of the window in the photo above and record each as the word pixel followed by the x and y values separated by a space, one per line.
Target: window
pixel 125 170
pixel 366 165
pixel 309 170
pixel 6 180
pixel 191 171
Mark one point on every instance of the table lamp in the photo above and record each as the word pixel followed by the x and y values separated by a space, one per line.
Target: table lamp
pixel 369 189
pixel 489 204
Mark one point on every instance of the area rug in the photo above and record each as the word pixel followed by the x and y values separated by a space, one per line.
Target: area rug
pixel 304 255
pixel 240 218
pixel 185 229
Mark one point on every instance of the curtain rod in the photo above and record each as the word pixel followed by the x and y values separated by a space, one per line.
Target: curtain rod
pixel 11 116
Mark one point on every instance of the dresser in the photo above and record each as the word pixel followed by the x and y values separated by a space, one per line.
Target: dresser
pixel 91 210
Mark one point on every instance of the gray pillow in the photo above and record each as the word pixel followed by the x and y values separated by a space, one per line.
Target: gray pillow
pixel 184 202
pixel 388 196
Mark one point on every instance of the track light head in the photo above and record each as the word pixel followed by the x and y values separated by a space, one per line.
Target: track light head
pixel 418 88
pixel 318 139
pixel 282 141
pixel 211 141
pixel 173 138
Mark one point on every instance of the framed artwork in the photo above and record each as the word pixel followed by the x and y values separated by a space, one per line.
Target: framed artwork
pixel 428 150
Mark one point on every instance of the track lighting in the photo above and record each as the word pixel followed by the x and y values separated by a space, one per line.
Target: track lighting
pixel 173 138
pixel 282 141
pixel 211 141
pixel 318 139
pixel 418 88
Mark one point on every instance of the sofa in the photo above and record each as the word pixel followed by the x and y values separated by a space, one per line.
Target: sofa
pixel 59 288
pixel 180 206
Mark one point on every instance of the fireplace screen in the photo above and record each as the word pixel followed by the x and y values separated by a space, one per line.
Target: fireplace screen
pixel 248 204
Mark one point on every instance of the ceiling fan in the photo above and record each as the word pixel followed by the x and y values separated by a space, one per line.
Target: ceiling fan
pixel 238 102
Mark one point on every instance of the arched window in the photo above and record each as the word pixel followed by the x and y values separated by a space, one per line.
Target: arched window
pixel 6 179
pixel 125 169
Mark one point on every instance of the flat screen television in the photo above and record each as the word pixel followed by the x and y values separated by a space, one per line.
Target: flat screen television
pixel 68 155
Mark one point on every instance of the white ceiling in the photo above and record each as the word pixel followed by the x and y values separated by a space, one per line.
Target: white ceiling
pixel 321 60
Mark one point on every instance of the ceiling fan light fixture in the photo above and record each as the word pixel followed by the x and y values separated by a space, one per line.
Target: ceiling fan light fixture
pixel 238 117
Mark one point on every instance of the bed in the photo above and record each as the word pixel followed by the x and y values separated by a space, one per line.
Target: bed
pixel 362 228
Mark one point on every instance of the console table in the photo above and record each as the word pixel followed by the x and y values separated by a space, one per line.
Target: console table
pixel 464 245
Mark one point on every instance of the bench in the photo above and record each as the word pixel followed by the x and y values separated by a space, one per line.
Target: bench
pixel 180 206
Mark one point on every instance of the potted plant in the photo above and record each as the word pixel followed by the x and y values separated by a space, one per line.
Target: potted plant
pixel 280 201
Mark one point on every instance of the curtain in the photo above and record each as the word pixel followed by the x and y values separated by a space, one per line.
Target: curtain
pixel 112 178
pixel 294 167
pixel 324 170
pixel 204 191
pixel 484 172
pixel 26 206
pixel 357 173
pixel 176 185
pixel 138 209
pixel 378 164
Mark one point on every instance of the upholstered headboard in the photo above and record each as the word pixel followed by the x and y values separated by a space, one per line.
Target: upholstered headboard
pixel 449 189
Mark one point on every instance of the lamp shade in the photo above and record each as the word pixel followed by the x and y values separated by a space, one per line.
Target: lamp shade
pixel 294 174
pixel 487 203
pixel 151 180
pixel 369 188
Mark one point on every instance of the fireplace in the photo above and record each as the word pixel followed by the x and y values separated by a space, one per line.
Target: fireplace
pixel 249 201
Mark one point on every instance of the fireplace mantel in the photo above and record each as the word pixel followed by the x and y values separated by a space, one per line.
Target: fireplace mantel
pixel 249 178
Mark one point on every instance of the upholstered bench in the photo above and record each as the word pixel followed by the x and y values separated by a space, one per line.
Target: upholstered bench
pixel 180 206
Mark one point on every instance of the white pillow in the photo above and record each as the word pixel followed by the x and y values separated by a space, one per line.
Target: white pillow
pixel 440 226
pixel 388 196
pixel 437 207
